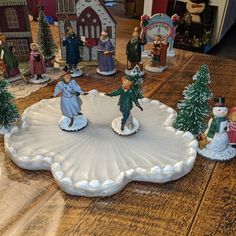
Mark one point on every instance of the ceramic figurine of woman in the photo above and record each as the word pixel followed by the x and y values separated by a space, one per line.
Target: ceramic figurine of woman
pixel 129 93
pixel 73 119
pixel 134 51
pixel 217 147
pixel 37 65
pixel 232 127
pixel 7 55
pixel 72 44
pixel 106 63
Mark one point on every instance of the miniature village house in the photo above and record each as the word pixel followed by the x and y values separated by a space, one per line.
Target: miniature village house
pixel 87 18
pixel 15 25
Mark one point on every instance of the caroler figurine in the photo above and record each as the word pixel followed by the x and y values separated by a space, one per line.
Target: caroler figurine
pixel 37 66
pixel 157 62
pixel 72 120
pixel 72 44
pixel 134 51
pixel 7 56
pixel 106 63
pixel 129 92
pixel 217 145
pixel 232 127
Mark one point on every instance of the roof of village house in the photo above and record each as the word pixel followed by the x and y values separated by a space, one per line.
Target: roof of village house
pixel 12 2
pixel 102 3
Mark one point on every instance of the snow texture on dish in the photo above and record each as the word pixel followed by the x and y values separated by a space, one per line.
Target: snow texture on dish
pixel 45 78
pixel 95 161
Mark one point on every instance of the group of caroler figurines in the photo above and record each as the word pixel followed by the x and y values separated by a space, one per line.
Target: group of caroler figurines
pixel 219 140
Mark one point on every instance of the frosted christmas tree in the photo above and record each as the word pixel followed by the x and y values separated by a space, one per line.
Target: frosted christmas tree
pixel 8 110
pixel 195 108
pixel 45 40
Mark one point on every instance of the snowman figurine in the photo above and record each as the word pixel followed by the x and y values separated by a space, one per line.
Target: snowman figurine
pixel 217 147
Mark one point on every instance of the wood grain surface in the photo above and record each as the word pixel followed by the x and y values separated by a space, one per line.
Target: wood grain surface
pixel 201 203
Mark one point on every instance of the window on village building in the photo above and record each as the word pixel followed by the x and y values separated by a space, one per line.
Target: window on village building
pixel 12 19
pixel 21 46
pixel 109 31
pixel 66 6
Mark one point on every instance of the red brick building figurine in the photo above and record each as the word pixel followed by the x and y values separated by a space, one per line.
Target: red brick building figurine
pixel 14 24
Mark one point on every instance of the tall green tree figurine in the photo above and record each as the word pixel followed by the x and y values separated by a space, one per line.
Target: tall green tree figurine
pixel 45 40
pixel 8 110
pixel 194 109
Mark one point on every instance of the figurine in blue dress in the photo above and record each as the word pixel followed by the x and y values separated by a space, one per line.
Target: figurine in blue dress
pixel 106 51
pixel 72 44
pixel 70 102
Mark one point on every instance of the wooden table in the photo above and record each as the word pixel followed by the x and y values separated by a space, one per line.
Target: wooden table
pixel 201 203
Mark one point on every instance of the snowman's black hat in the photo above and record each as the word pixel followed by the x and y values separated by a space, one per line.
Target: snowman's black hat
pixel 219 101
pixel 200 1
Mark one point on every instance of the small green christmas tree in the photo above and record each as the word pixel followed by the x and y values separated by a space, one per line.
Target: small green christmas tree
pixel 45 40
pixel 8 110
pixel 194 108
pixel 137 81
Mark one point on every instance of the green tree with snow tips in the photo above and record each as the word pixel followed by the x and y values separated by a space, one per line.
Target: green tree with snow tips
pixel 8 110
pixel 45 40
pixel 194 109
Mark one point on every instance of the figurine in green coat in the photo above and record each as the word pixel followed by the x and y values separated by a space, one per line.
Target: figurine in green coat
pixel 7 55
pixel 129 93
pixel 134 49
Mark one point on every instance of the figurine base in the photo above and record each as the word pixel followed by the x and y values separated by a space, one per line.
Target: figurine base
pixel 77 73
pixel 106 73
pixel 128 72
pixel 171 53
pixel 79 123
pixel 116 124
pixel 227 154
pixel 34 80
pixel 155 69
pixel 14 78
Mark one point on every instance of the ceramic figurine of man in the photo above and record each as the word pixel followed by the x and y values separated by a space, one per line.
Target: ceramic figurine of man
pixel 37 65
pixel 128 95
pixel 106 63
pixel 158 55
pixel 232 127
pixel 217 147
pixel 9 59
pixel 73 119
pixel 72 44
pixel 134 51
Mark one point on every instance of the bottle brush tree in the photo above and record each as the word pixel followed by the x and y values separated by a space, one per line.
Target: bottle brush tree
pixel 194 109
pixel 8 110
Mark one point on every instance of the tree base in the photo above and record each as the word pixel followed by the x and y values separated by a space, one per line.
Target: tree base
pixel 128 72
